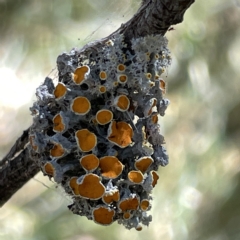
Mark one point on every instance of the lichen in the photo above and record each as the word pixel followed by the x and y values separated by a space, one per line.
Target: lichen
pixel 70 123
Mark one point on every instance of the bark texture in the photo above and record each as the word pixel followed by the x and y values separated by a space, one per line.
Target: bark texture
pixel 153 17
pixel 16 169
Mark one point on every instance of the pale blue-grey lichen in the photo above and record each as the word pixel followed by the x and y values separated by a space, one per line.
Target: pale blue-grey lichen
pixel 133 71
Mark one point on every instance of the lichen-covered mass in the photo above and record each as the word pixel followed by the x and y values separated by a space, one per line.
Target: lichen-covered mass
pixel 96 131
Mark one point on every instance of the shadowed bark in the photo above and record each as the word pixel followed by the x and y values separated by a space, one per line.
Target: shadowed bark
pixel 16 169
pixel 153 17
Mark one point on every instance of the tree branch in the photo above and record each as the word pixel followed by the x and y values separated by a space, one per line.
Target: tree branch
pixel 153 17
pixel 16 169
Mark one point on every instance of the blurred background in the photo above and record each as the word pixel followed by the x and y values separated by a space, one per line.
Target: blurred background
pixel 198 193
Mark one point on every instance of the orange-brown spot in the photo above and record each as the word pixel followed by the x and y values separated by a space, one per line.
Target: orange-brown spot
pixel 154 118
pixel 155 178
pixel 80 74
pixel 89 162
pixel 135 177
pixel 110 197
pixel 60 91
pixel 104 116
pixel 121 68
pixel 102 89
pixel 80 105
pixel 110 167
pixel 144 205
pixel 103 75
pixel 58 123
pixel 57 151
pixel 86 140
pixel 122 78
pixel 122 103
pixel 152 84
pixel 139 227
pixel 115 84
pixel 143 163
pixel 48 169
pixel 120 133
pixel 109 43
pixel 148 75
pixel 127 215
pixel 91 187
pixel 32 143
pixel 103 215
pixel 73 185
pixel 128 204
pixel 162 86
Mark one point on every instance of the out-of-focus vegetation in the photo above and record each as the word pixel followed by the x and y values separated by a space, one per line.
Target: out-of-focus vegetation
pixel 198 194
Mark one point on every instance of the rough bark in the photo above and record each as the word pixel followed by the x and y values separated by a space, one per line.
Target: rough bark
pixel 16 169
pixel 153 17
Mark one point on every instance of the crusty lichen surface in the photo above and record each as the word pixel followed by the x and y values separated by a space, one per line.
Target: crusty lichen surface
pixel 97 133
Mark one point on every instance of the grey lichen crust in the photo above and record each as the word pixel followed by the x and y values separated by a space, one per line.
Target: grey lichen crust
pixel 97 132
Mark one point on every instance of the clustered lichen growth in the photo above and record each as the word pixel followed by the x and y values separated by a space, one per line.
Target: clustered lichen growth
pixel 97 131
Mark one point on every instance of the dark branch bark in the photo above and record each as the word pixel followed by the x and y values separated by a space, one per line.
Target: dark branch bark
pixel 153 17
pixel 16 169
